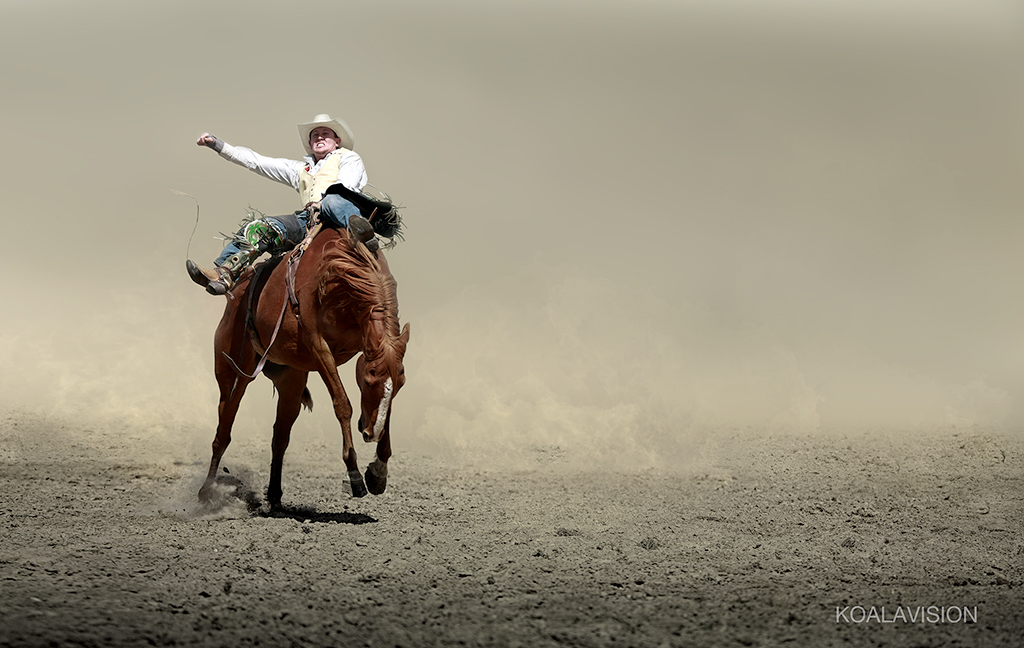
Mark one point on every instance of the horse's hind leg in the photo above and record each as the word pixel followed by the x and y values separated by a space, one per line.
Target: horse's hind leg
pixel 291 389
pixel 232 388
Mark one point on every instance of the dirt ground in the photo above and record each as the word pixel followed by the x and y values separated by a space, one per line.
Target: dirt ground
pixel 772 540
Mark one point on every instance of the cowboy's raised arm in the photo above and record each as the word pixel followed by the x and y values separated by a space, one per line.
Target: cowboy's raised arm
pixel 280 170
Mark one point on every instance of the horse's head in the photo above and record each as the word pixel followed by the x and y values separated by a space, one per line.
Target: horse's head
pixel 380 374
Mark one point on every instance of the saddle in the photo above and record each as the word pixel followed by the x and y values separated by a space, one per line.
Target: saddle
pixel 261 273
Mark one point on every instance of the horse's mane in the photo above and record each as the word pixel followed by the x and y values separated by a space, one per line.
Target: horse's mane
pixel 351 279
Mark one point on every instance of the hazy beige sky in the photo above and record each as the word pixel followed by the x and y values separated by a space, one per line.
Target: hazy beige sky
pixel 626 220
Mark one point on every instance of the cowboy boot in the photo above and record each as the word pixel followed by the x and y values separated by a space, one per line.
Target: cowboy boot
pixel 362 231
pixel 201 275
pixel 222 278
pixel 232 268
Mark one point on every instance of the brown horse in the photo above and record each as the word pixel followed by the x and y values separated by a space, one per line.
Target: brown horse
pixel 347 305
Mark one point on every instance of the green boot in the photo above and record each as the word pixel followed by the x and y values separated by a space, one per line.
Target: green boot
pixel 231 269
pixel 255 238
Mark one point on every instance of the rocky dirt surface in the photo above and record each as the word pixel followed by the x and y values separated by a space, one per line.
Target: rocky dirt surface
pixel 759 544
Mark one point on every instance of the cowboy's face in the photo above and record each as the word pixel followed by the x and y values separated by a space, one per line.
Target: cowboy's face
pixel 323 140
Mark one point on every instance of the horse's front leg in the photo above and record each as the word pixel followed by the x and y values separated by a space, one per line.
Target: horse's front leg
pixel 377 471
pixel 342 410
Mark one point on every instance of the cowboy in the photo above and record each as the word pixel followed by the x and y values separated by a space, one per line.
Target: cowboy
pixel 329 160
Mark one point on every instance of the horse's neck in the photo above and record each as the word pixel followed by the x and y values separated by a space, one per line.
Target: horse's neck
pixel 351 278
pixel 377 331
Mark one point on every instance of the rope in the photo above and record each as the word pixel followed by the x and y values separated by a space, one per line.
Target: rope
pixel 188 247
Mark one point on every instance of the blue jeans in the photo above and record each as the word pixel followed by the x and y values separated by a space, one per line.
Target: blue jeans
pixel 334 212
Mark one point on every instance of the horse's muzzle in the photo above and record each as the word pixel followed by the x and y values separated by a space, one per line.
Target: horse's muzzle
pixel 369 436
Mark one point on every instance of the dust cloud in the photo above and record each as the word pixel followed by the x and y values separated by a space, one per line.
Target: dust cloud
pixel 629 227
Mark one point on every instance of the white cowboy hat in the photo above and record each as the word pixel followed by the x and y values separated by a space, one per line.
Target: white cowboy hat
pixel 339 127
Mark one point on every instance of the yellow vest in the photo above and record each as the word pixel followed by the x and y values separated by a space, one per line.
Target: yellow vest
pixel 312 186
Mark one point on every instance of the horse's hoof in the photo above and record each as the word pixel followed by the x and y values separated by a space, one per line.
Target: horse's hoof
pixel 274 501
pixel 356 481
pixel 377 478
pixel 376 486
pixel 206 493
pixel 358 489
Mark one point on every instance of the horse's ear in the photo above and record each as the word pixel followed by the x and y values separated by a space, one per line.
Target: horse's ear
pixel 405 334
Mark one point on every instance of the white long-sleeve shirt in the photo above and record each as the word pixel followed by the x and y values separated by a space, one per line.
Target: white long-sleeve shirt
pixel 351 173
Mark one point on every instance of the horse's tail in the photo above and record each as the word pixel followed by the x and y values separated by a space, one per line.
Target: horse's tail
pixel 274 371
pixel 307 399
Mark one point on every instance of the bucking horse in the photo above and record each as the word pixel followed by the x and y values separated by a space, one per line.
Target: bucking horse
pixel 314 309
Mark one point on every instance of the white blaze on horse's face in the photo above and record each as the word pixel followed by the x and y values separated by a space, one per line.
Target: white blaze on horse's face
pixel 378 389
pixel 382 411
